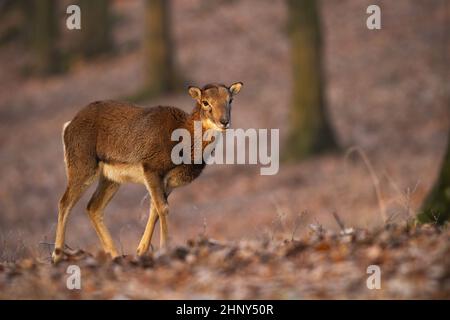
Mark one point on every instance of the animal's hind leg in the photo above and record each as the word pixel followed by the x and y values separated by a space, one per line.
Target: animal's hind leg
pixel 81 168
pixel 74 191
pixel 106 189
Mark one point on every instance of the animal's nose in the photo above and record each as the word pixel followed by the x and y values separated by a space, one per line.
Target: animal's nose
pixel 224 121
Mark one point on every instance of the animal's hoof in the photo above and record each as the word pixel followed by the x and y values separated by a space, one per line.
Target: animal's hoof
pixel 140 251
pixel 57 256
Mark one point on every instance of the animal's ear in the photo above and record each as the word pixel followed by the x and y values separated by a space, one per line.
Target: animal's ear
pixel 235 88
pixel 195 93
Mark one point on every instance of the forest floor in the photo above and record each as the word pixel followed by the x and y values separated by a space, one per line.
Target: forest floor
pixel 413 262
pixel 385 93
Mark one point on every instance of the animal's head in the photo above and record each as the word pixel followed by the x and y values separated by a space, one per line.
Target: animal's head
pixel 215 103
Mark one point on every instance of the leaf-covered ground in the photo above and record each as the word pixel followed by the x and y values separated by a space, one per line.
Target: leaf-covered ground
pixel 414 263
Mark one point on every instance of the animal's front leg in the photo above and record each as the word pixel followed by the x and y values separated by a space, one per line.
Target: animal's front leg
pixel 155 185
pixel 148 233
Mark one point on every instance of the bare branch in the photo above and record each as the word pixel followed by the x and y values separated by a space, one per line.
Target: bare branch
pixel 338 221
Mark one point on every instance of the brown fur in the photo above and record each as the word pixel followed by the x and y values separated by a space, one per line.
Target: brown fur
pixel 120 142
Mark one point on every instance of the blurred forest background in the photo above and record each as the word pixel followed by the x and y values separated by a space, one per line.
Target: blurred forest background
pixel 363 114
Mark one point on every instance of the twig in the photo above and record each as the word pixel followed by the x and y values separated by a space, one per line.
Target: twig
pixel 405 196
pixel 143 199
pixel 316 228
pixel 204 227
pixel 48 247
pixel 374 178
pixel 279 218
pixel 53 244
pixel 141 203
pixel 297 220
pixel 338 221
pixel 391 217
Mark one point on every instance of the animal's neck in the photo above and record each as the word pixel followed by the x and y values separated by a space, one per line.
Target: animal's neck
pixel 197 140
pixel 197 112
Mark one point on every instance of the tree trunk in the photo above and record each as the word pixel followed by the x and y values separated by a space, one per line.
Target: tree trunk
pixel 309 131
pixel 436 207
pixel 159 50
pixel 41 35
pixel 96 26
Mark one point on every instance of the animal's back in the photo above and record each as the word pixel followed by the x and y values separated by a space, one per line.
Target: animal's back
pixel 120 132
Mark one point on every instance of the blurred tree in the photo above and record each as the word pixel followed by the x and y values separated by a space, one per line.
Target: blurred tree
pixel 436 207
pixel 12 21
pixel 160 71
pixel 96 25
pixel 41 33
pixel 309 131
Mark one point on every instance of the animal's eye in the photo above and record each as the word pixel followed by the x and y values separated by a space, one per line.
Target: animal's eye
pixel 205 103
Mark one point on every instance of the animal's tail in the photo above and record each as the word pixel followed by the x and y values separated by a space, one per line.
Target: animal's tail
pixel 64 144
